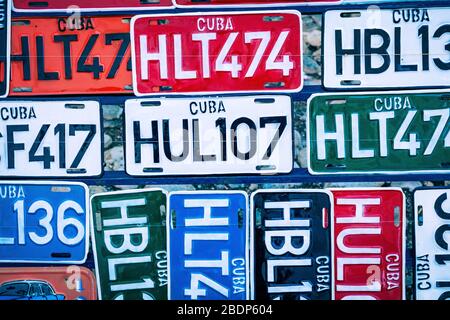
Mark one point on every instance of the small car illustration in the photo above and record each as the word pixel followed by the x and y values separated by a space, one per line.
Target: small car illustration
pixel 28 290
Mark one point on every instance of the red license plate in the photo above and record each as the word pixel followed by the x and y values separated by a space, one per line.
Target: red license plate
pixel 47 283
pixel 55 55
pixel 199 3
pixel 369 238
pixel 217 52
pixel 102 5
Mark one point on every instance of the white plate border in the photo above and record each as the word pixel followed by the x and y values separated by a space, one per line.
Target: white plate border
pixel 86 220
pixel 210 192
pixel 370 173
pixel 200 14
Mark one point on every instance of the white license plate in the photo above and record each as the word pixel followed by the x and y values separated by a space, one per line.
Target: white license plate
pixel 199 136
pixel 432 239
pixel 389 48
pixel 50 139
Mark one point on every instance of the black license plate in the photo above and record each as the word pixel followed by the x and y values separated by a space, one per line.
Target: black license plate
pixel 291 245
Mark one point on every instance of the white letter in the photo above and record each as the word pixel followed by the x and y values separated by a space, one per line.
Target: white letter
pixel 126 235
pixel 222 263
pixel 359 212
pixel 160 56
pixel 341 262
pixel 375 104
pixel 200 28
pixel 322 136
pixel 271 264
pixel 178 56
pixel 190 237
pixel 123 205
pixel 356 151
pixel 287 243
pixel 286 221
pixel 382 117
pixel 204 38
pixel 206 205
pixel 359 231
pixel 115 261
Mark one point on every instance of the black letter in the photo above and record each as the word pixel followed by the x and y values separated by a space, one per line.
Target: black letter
pixel 442 258
pixel 138 141
pixel 190 108
pixel 42 75
pixel 248 155
pixel 24 57
pixel 166 141
pixel 438 207
pixel 12 147
pixel 60 28
pixel 282 125
pixel 196 145
pixel 340 52
pixel 66 40
pixel 382 50
pixel 439 236
pixel 2 113
pixel 398 53
pixel 439 32
pixel 393 16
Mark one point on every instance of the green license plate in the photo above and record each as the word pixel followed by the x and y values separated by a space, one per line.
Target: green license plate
pixel 129 242
pixel 385 133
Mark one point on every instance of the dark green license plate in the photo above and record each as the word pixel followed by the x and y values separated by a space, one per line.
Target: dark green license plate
pixel 129 240
pixel 398 132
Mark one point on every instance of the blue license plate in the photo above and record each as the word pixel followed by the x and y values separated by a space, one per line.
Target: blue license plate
pixel 207 241
pixel 43 222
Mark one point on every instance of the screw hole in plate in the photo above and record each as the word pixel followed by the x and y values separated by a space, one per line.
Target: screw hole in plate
pixel 335 166
pixel 397 216
pixel 420 215
pixel 74 106
pixel 274 84
pixel 61 255
pixel 38 4
pixel 264 100
pixel 20 22
pixel 265 167
pixel 173 219
pixel 350 82
pixel 150 170
pixel 354 14
pixel 273 18
pixel 336 101
pixel 150 103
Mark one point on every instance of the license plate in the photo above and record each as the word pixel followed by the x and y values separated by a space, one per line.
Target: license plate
pixel 432 216
pixel 59 55
pixel 383 132
pixel 129 243
pixel 241 3
pixel 43 222
pixel 217 52
pixel 369 231
pixel 291 245
pixel 5 39
pixel 50 138
pixel 207 239
pixel 70 6
pixel 47 283
pixel 386 48
pixel 217 135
